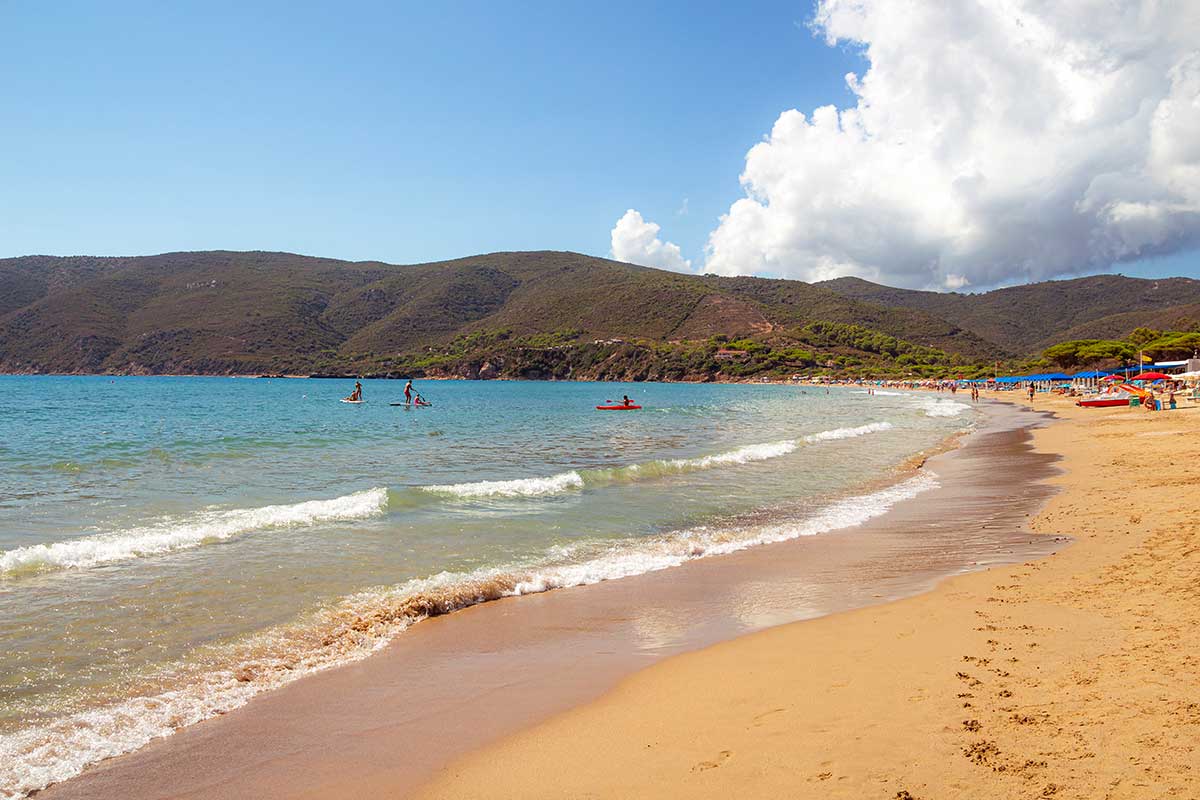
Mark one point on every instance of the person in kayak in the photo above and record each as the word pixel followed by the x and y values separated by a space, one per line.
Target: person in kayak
pixel 626 400
pixel 356 395
pixel 408 391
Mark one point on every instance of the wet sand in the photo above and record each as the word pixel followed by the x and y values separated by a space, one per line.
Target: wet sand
pixel 1073 676
pixel 452 685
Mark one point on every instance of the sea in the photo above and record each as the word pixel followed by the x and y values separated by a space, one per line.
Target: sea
pixel 172 546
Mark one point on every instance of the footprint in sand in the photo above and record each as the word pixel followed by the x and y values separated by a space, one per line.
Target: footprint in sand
pixel 758 720
pixel 721 758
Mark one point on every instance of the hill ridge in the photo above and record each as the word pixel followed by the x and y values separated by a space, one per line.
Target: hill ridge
pixel 262 311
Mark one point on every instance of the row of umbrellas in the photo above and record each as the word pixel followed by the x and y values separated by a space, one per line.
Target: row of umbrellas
pixel 1145 376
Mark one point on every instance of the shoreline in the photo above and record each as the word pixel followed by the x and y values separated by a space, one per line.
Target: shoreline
pixel 246 751
pixel 1058 677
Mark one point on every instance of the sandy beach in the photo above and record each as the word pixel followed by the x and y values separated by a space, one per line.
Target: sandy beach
pixel 1070 676
pixel 457 683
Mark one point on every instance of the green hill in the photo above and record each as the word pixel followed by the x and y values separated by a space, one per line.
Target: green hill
pixel 526 314
pixel 224 312
pixel 1024 319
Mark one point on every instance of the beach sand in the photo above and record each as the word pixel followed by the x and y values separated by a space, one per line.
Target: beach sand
pixel 1072 676
pixel 455 684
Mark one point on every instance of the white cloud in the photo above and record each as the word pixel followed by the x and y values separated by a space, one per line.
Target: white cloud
pixel 992 141
pixel 636 241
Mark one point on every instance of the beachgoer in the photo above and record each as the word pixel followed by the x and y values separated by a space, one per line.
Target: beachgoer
pixel 1031 392
pixel 356 395
pixel 1171 400
pixel 626 400
pixel 408 392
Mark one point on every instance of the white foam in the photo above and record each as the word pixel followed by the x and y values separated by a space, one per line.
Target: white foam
pixel 879 392
pixel 742 455
pixel 521 487
pixel 568 481
pixel 172 534
pixel 848 433
pixel 361 624
pixel 936 407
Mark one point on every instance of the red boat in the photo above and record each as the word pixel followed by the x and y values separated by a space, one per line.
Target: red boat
pixel 618 408
pixel 1110 399
pixel 1103 402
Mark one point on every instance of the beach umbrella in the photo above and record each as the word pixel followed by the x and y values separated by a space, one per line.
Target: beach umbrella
pixel 1113 378
pixel 1152 376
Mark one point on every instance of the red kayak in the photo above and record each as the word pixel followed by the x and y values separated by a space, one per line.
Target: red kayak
pixel 617 408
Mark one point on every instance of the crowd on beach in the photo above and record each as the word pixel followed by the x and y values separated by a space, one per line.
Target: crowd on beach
pixel 1159 395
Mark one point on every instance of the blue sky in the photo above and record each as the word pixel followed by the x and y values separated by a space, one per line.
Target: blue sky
pixel 403 132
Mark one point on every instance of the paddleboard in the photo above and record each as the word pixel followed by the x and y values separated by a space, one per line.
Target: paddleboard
pixel 617 408
pixel 414 405
pixel 353 402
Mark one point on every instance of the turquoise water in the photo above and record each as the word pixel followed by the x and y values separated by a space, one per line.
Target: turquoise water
pixel 171 546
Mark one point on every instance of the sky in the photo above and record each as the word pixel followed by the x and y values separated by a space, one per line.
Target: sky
pixel 986 145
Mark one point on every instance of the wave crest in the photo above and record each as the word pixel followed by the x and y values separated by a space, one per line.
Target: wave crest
pixel 848 433
pixel 579 479
pixel 172 534
pixel 521 487
pixel 937 407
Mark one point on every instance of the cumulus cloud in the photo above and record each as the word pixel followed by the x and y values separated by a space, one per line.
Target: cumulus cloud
pixel 636 241
pixel 992 141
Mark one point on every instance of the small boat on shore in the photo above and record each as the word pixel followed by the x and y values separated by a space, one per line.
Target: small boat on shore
pixel 1103 401
pixel 1113 398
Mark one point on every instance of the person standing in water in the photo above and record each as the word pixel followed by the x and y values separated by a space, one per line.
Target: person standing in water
pixel 356 395
pixel 408 392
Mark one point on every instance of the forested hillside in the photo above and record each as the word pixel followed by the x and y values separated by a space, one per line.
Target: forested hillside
pixel 529 314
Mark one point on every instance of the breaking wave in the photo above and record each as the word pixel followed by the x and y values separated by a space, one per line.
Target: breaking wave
pixel 579 479
pixel 358 625
pixel 172 534
pixel 522 487
pixel 936 407
pixel 181 533
pixel 848 433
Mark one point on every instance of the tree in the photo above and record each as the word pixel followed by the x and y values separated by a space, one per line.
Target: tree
pixel 1173 345
pixel 1106 350
pixel 1140 336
